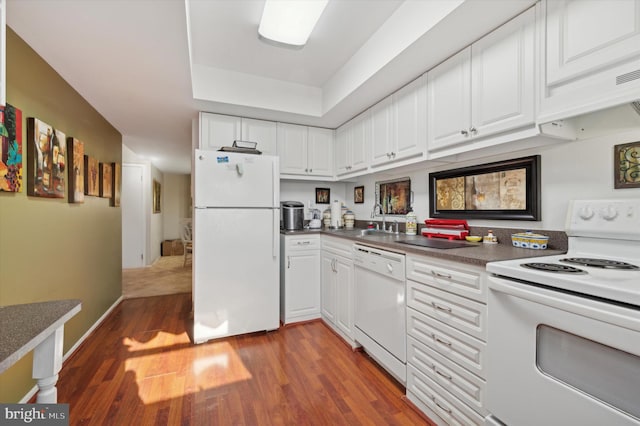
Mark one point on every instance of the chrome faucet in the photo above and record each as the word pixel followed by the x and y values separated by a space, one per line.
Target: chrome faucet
pixel 373 213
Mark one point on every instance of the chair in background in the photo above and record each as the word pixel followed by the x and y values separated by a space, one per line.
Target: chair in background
pixel 186 240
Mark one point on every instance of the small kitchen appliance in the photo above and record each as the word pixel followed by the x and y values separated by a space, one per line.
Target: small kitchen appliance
pixel 452 229
pixel 292 215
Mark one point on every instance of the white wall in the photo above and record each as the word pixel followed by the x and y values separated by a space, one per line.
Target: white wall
pixel 176 204
pixel 581 169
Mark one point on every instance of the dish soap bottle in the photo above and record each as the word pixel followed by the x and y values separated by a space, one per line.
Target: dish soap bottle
pixel 411 224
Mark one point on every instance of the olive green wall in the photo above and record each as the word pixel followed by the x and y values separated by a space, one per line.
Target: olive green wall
pixel 50 249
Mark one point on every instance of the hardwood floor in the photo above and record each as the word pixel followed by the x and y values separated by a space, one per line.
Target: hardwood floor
pixel 140 367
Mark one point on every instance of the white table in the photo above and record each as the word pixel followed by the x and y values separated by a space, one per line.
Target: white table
pixel 38 327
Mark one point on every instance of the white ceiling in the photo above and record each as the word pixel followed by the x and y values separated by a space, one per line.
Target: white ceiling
pixel 148 66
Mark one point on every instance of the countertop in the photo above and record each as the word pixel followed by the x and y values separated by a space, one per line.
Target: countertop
pixel 478 254
pixel 25 326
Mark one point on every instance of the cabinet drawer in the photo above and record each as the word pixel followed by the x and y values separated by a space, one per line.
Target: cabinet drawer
pixel 453 344
pixel 423 391
pixel 465 281
pixel 459 312
pixel 307 242
pixel 466 386
pixel 338 246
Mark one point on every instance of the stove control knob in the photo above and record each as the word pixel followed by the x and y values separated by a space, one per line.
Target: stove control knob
pixel 609 213
pixel 585 213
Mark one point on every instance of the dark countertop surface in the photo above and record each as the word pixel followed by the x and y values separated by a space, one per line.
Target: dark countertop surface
pixel 476 254
pixel 25 326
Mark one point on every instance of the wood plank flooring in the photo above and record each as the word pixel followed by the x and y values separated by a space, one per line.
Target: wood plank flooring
pixel 140 367
pixel 167 275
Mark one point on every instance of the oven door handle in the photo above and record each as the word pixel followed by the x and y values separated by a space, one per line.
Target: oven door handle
pixel 606 312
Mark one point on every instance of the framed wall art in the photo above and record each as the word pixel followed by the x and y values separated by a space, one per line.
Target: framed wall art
pixel 46 148
pixel 117 184
pixel 106 177
pixel 10 149
pixel 358 194
pixel 157 193
pixel 626 165
pixel 76 170
pixel 323 195
pixel 91 176
pixel 501 190
pixel 394 196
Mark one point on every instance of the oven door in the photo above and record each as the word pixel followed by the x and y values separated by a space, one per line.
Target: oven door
pixel 559 359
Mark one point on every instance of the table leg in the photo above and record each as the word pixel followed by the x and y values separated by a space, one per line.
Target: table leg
pixel 47 362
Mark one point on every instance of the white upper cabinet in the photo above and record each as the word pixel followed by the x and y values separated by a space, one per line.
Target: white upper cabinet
pixel 305 151
pixel 217 130
pixel 398 124
pixel 485 89
pixel 592 56
pixel 351 145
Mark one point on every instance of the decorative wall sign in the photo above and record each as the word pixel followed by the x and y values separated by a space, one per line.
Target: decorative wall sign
pixel 323 195
pixel 106 176
pixel 157 193
pixel 358 194
pixel 76 170
pixel 11 149
pixel 91 176
pixel 626 164
pixel 117 184
pixel 501 190
pixel 394 196
pixel 46 148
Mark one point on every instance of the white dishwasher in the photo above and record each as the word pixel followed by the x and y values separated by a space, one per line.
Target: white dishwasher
pixel 380 321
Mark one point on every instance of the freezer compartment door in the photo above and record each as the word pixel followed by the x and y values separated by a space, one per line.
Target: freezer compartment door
pixel 235 272
pixel 226 179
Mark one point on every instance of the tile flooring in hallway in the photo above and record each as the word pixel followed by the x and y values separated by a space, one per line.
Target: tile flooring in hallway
pixel 167 275
pixel 140 367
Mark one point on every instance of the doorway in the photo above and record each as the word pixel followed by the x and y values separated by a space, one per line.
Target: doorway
pixel 133 219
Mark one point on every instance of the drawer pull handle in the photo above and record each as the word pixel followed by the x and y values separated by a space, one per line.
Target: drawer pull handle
pixel 439 275
pixel 446 376
pixel 441 308
pixel 446 410
pixel 303 243
pixel 439 340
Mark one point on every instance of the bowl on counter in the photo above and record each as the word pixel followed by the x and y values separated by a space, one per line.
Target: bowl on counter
pixel 473 238
pixel 529 240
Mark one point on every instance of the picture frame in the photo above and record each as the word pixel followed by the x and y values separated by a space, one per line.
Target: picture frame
pixel 46 152
pixel 358 194
pixel 106 176
pixel 500 190
pixel 626 165
pixel 91 176
pixel 117 184
pixel 10 149
pixel 76 170
pixel 323 195
pixel 157 197
pixel 394 196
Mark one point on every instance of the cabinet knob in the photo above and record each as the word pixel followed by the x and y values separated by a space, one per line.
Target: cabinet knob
pixel 306 170
pixel 310 170
pixel 393 154
pixel 464 133
pixel 473 130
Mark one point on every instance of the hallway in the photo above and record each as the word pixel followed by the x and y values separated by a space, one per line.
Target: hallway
pixel 167 275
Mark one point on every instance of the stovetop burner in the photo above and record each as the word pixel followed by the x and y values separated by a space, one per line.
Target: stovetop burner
pixel 600 263
pixel 553 267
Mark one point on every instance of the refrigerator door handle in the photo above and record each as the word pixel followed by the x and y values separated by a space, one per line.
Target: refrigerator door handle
pixel 275 238
pixel 275 183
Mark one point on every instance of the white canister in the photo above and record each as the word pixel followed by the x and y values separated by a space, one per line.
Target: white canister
pixel 349 219
pixel 411 224
pixel 326 218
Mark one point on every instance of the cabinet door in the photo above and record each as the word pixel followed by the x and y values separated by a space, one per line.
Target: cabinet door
pixel 502 77
pixel 584 37
pixel 328 300
pixel 263 132
pixel 449 101
pixel 303 285
pixel 344 295
pixel 320 152
pixel 218 130
pixel 360 135
pixel 409 121
pixel 343 149
pixel 381 114
pixel 292 148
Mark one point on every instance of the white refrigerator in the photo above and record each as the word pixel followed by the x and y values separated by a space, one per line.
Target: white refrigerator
pixel 236 244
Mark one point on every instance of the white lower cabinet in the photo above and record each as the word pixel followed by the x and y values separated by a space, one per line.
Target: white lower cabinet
pixel 446 340
pixel 299 278
pixel 337 287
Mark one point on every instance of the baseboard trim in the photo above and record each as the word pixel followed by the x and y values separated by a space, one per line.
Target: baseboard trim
pixel 25 399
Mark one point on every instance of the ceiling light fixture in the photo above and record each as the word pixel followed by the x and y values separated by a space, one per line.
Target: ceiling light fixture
pixel 289 22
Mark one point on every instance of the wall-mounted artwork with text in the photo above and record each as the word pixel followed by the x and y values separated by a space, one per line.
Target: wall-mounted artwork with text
pixel 76 170
pixel 11 149
pixel 46 149
pixel 91 176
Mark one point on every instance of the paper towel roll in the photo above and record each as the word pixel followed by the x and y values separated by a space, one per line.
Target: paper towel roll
pixel 336 214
